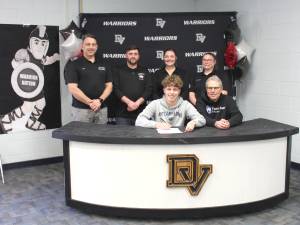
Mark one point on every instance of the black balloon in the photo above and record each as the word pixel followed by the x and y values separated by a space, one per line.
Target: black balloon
pixel 241 68
pixel 233 32
pixel 68 30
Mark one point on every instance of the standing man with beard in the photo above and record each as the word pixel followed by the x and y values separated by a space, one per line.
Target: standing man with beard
pixel 90 83
pixel 132 87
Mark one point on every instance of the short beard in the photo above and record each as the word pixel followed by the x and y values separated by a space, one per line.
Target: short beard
pixel 132 63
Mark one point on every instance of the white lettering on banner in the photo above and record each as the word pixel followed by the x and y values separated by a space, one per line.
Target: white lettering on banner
pixel 152 70
pixel 200 37
pixel 120 23
pixel 160 22
pixel 160 38
pixel 119 38
pixel 196 54
pixel 28 76
pixel 113 56
pixel 160 54
pixel 28 83
pixel 198 22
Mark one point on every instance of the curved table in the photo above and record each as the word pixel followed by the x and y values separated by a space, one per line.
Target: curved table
pixel 136 172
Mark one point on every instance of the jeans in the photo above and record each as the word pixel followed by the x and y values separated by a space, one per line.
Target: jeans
pixel 87 115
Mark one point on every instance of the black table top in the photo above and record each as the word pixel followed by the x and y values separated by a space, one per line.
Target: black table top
pixel 257 129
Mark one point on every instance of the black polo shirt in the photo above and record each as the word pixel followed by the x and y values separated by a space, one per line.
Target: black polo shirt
pixel 90 77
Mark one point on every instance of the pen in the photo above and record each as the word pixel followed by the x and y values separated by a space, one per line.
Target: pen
pixel 163 120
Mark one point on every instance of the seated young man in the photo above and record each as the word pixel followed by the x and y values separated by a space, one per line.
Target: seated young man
pixel 170 110
pixel 219 110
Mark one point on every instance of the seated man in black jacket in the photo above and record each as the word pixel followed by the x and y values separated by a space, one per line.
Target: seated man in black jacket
pixel 219 110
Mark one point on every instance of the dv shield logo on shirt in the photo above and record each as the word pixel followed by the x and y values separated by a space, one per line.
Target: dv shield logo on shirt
pixel 185 171
pixel 208 109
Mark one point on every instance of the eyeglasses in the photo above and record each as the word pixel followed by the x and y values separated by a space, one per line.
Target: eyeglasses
pixel 212 88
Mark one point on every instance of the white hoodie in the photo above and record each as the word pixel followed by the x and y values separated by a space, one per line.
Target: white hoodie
pixel 159 111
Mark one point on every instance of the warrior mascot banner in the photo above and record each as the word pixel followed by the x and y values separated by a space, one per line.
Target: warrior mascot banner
pixel 30 83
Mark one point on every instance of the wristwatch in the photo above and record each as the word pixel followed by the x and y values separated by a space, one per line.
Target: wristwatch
pixel 101 100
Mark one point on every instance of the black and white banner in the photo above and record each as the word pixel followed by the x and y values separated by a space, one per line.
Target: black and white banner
pixel 190 34
pixel 29 78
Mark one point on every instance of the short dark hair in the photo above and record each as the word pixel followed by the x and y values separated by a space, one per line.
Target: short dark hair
pixel 132 47
pixel 170 50
pixel 88 36
pixel 211 54
pixel 173 80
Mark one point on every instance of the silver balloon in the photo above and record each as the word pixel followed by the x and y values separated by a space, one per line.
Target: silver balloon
pixel 244 50
pixel 71 47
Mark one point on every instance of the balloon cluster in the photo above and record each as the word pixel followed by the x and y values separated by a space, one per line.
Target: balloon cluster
pixel 71 47
pixel 238 52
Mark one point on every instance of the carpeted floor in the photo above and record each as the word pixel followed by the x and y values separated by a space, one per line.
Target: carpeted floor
pixel 35 196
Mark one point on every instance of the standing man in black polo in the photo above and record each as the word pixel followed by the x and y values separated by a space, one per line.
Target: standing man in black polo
pixel 90 83
pixel 132 87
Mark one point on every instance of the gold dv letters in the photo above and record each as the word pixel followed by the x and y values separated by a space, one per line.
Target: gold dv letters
pixel 185 171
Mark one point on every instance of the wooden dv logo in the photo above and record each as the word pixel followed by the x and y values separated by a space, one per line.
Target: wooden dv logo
pixel 185 171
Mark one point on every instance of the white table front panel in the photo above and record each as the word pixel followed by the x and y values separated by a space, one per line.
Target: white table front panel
pixel 135 176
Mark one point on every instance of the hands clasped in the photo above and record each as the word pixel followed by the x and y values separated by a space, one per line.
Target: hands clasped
pixel 222 124
pixel 131 106
pixel 95 104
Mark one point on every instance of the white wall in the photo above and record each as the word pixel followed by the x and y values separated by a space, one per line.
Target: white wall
pixel 271 88
pixel 137 6
pixel 26 146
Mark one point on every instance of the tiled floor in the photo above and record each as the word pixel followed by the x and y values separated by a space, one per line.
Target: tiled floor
pixel 35 196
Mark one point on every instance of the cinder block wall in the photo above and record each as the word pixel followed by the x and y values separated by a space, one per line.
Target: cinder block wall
pixel 271 88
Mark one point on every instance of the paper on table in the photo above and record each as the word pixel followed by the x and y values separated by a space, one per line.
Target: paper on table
pixel 172 130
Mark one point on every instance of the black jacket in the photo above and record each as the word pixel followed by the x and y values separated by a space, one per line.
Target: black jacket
pixel 132 83
pixel 224 108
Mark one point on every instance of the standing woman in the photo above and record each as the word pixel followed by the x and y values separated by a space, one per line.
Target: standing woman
pixel 169 69
pixel 198 82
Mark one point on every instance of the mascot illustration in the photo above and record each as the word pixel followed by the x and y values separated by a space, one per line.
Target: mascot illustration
pixel 27 81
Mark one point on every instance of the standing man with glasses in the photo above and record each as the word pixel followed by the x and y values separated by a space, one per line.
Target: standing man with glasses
pixel 219 110
pixel 90 83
